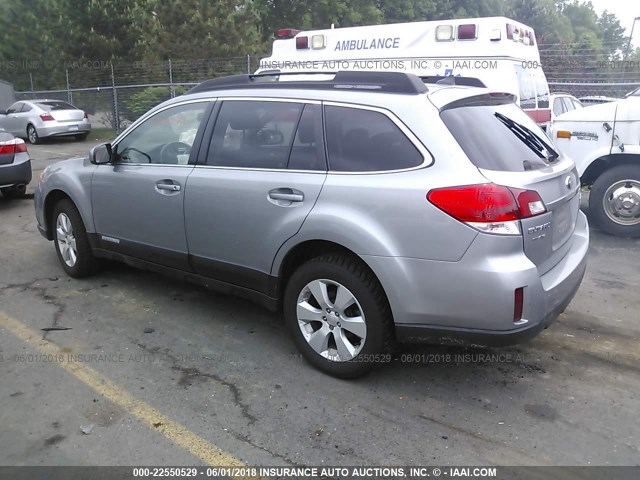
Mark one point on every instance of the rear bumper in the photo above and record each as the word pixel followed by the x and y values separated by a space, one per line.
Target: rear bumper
pixel 15 173
pixel 64 129
pixel 472 301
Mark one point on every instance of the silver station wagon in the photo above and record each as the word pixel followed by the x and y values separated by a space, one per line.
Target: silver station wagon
pixel 368 208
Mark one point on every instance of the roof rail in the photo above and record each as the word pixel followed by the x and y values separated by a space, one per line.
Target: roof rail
pixel 454 80
pixel 389 82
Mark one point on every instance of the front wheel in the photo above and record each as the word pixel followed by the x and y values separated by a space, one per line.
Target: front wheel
pixel 339 315
pixel 614 201
pixel 72 243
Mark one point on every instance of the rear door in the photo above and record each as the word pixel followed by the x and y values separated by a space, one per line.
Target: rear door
pixel 259 179
pixel 494 139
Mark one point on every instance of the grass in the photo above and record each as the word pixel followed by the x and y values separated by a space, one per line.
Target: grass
pixel 102 134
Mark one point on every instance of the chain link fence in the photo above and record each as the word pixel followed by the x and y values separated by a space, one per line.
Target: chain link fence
pixel 114 95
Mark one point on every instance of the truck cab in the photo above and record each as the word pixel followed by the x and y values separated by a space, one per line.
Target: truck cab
pixel 604 142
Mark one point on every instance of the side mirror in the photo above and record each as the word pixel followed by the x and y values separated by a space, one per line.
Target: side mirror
pixel 101 154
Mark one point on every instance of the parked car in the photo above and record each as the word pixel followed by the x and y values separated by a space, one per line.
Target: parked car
pixel 596 99
pixel 604 141
pixel 562 103
pixel 38 119
pixel 367 207
pixel 15 166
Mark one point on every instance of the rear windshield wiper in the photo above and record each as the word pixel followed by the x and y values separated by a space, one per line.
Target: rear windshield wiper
pixel 529 138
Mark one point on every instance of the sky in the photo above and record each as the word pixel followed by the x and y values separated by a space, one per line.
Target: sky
pixel 625 10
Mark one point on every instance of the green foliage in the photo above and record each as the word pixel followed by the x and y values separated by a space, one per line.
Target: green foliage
pixel 144 100
pixel 41 38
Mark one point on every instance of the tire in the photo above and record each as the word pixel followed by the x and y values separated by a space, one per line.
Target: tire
pixel 343 275
pixel 73 233
pixel 82 137
pixel 32 135
pixel 17 191
pixel 621 218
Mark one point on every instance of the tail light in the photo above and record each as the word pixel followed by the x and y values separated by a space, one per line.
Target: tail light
pixel 285 33
pixel 488 207
pixel 46 117
pixel 12 147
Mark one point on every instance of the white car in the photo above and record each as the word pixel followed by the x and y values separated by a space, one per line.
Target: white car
pixel 562 103
pixel 604 141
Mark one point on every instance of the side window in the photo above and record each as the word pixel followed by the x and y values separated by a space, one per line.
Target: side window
pixel 254 134
pixel 25 108
pixel 526 88
pixel 14 108
pixel 568 104
pixel 576 103
pixel 307 153
pixel 365 141
pixel 558 107
pixel 165 138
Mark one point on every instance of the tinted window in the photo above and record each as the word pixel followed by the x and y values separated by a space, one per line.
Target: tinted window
pixel 53 105
pixel 307 153
pixel 164 138
pixel 558 106
pixel 254 134
pixel 26 108
pixel 365 141
pixel 488 142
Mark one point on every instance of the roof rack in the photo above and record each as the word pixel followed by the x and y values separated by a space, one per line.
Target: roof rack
pixel 388 82
pixel 454 80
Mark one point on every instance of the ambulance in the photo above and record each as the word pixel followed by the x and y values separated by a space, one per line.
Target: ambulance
pixel 500 53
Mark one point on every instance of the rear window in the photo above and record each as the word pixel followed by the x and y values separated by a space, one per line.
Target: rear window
pixel 361 140
pixel 52 106
pixel 485 137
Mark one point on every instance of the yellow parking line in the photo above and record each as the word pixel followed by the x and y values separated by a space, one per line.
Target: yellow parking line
pixel 196 445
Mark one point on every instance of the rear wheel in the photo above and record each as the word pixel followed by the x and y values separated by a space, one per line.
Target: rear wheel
pixel 72 243
pixel 17 191
pixel 32 134
pixel 339 315
pixel 614 201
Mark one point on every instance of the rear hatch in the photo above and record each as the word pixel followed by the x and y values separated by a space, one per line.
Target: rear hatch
pixel 62 112
pixel 510 150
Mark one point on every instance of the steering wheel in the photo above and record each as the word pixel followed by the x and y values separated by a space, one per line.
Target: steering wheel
pixel 169 153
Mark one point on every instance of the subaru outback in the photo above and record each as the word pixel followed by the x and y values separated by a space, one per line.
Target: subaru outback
pixel 368 208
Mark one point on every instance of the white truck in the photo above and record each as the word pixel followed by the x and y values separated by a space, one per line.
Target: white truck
pixel 604 141
pixel 498 51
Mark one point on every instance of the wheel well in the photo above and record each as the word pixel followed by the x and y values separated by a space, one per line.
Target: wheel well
pixel 49 203
pixel 602 164
pixel 306 251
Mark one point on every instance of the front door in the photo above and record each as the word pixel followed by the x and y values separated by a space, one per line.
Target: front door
pixel 138 199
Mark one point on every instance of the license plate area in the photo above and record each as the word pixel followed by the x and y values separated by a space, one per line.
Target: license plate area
pixel 564 222
pixel 73 128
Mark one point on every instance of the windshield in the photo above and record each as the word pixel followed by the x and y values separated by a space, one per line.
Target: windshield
pixel 499 137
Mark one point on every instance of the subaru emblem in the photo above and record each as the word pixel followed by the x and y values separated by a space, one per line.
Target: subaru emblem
pixel 569 181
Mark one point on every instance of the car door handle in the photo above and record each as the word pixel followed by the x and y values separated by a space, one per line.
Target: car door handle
pixel 167 186
pixel 286 194
pixel 164 186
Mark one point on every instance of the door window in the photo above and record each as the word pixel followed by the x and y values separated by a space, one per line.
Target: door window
pixel 255 134
pixel 165 138
pixel 14 108
pixel 558 106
